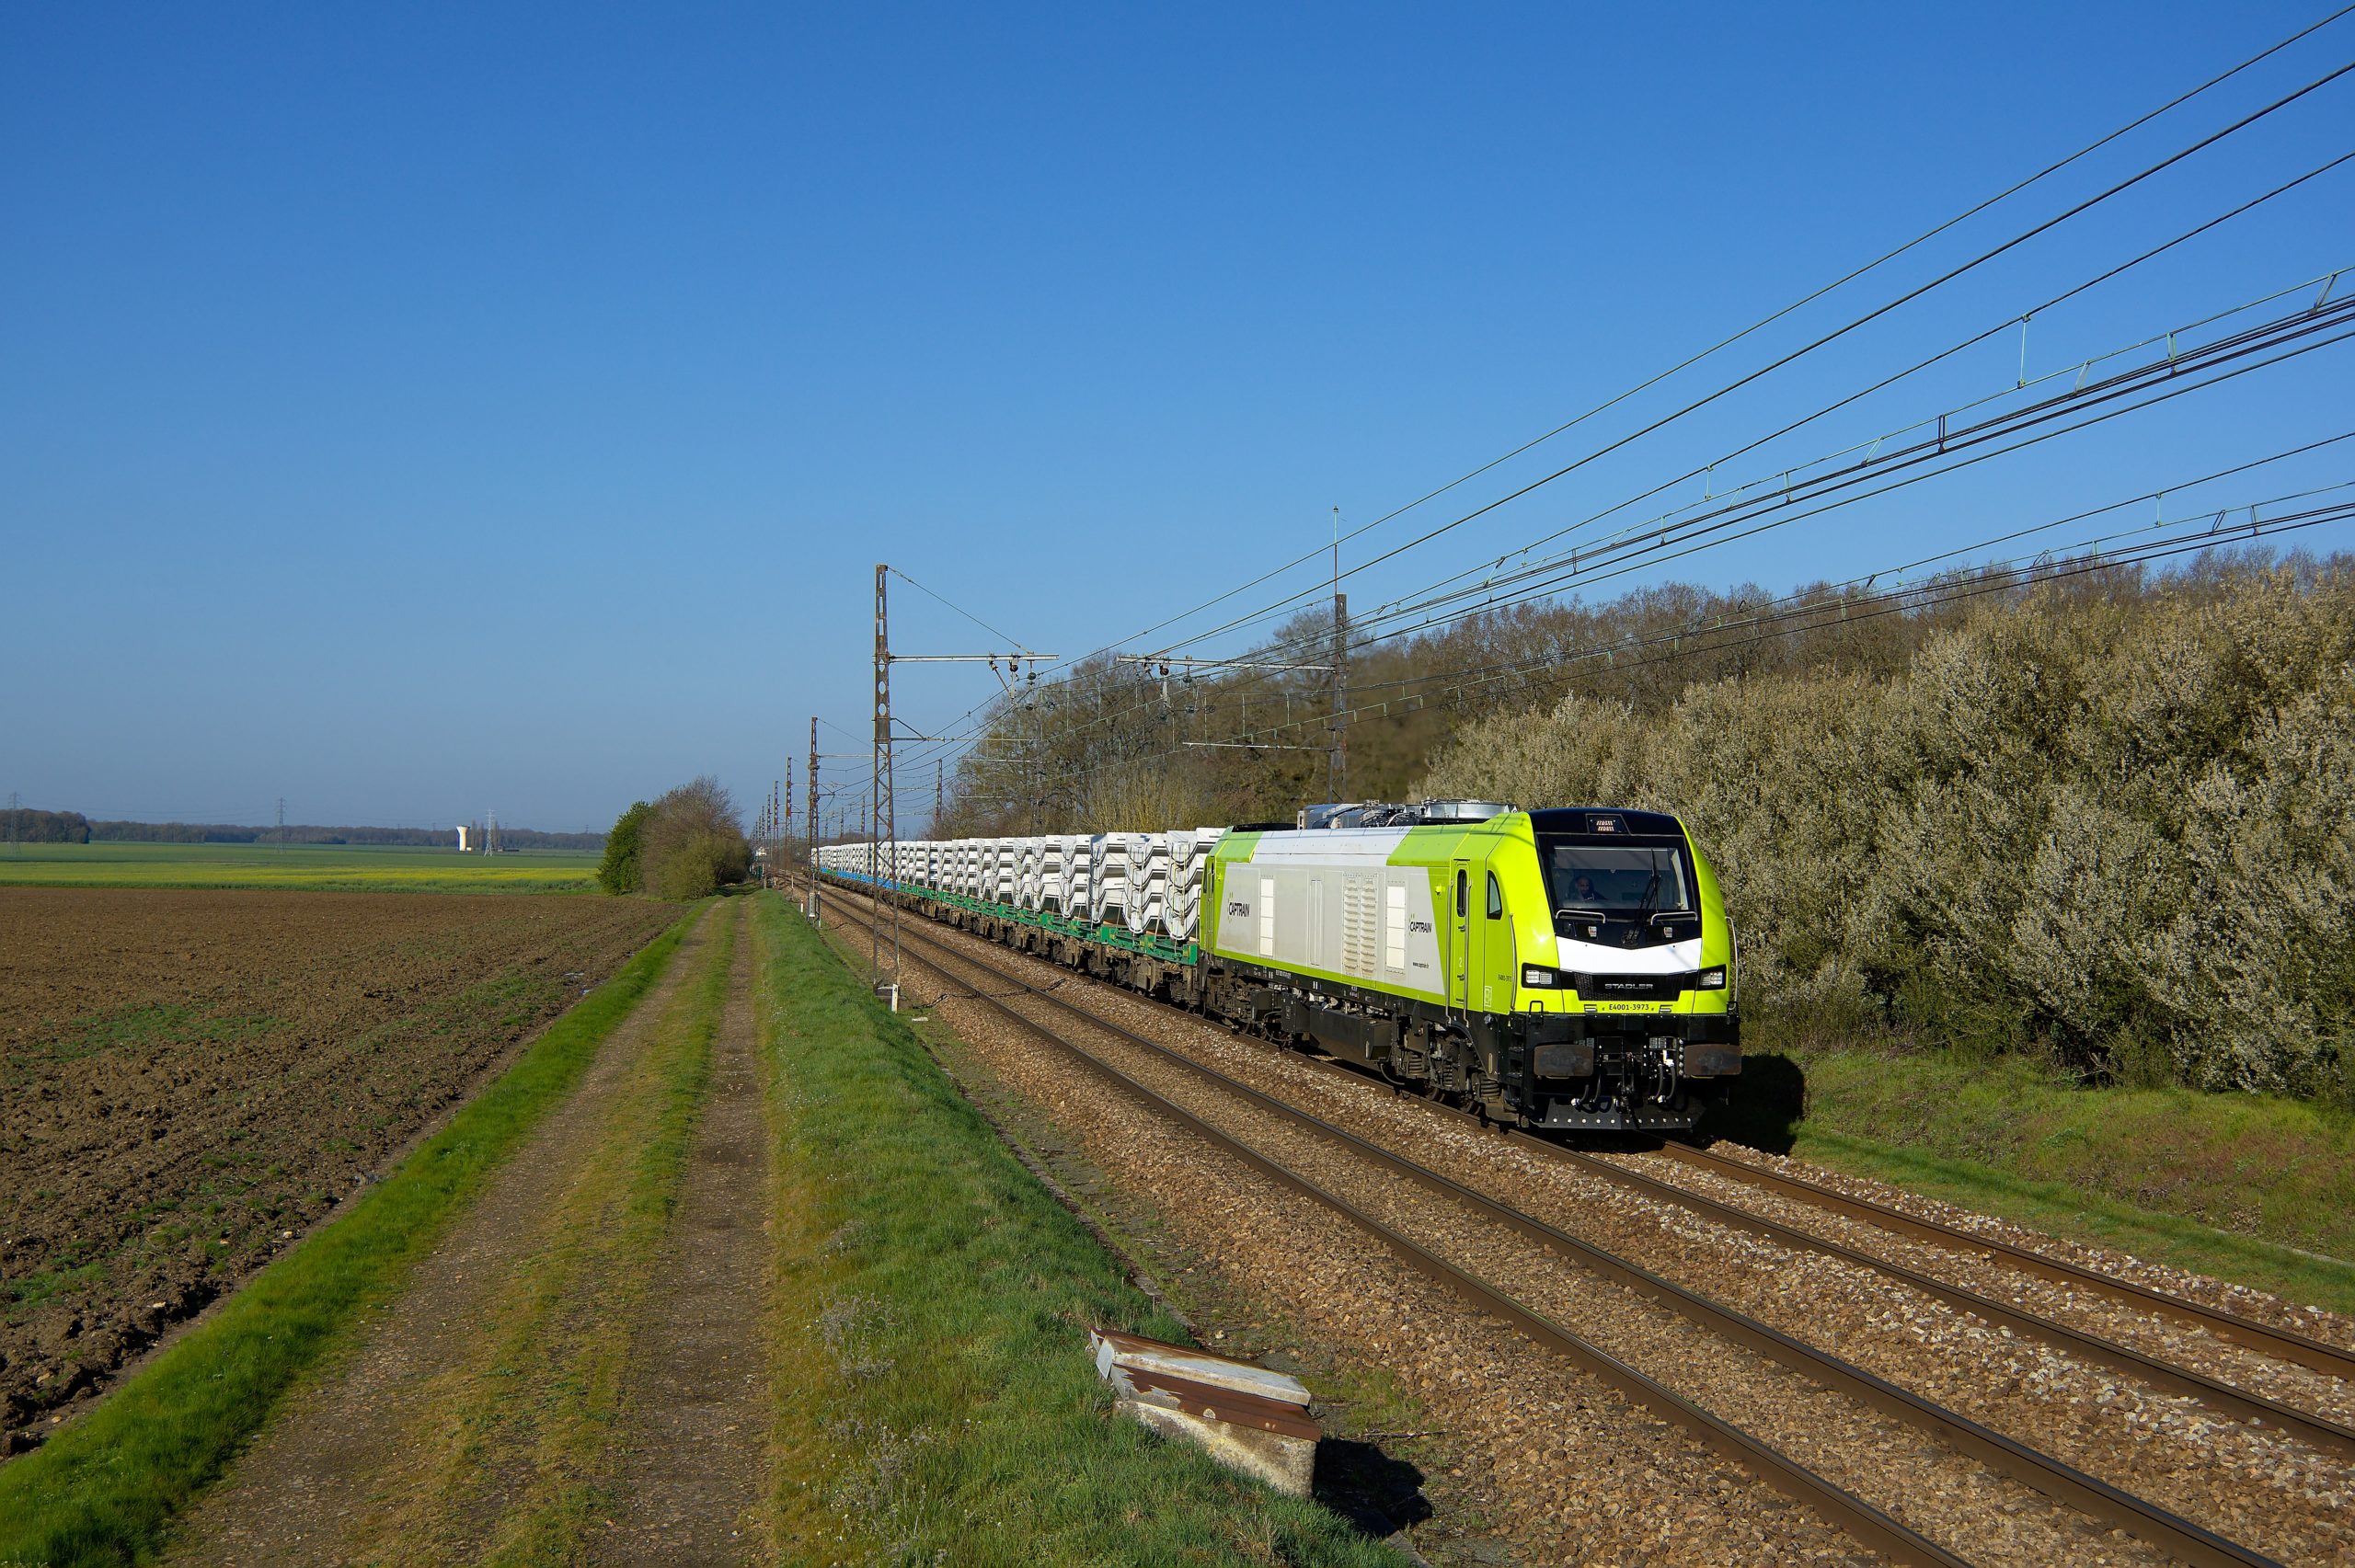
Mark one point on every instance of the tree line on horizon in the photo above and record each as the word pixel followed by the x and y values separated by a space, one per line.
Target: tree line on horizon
pixel 35 827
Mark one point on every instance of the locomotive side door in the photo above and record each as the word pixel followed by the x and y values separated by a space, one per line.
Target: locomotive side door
pixel 1459 939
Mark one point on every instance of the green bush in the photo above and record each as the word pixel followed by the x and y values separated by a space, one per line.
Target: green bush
pixel 2118 830
pixel 688 844
pixel 619 871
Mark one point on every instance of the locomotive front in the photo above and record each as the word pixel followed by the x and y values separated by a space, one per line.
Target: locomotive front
pixel 1623 1011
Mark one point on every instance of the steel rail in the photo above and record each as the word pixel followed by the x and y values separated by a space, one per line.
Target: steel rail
pixel 2282 1344
pixel 1861 1520
pixel 2089 1495
pixel 2254 1408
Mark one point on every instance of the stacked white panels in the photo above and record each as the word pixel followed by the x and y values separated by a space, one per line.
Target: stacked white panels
pixel 1148 880
pixel 1051 874
pixel 1079 857
pixel 1005 872
pixel 1190 852
pixel 1107 888
pixel 1071 875
pixel 1030 854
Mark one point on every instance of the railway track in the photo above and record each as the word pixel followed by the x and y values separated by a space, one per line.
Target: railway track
pixel 2282 1345
pixel 2257 1409
pixel 1959 1433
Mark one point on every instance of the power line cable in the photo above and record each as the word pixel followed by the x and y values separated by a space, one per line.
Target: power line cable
pixel 1935 359
pixel 1851 325
pixel 1761 323
pixel 1653 554
pixel 1831 336
pixel 2171 373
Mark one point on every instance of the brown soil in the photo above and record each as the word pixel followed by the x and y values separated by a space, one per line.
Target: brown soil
pixel 193 1078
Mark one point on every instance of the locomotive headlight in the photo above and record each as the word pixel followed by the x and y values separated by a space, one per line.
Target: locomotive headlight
pixel 1713 979
pixel 1536 977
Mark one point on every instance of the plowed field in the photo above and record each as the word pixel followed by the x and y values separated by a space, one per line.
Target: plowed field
pixel 191 1078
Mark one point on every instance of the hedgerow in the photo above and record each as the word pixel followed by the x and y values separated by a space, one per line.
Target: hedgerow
pixel 2118 830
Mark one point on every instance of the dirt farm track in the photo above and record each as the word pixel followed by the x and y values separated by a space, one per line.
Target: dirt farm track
pixel 191 1077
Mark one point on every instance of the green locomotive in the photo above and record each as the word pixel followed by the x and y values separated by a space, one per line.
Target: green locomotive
pixel 1570 968
pixel 1567 968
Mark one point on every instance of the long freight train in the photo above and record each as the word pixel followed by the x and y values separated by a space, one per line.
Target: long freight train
pixel 1569 968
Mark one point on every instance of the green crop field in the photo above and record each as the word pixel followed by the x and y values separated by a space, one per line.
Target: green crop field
pixel 355 868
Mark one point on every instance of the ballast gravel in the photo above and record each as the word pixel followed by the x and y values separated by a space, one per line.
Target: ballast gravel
pixel 1573 1473
pixel 2250 1484
pixel 2258 1306
pixel 2149 1330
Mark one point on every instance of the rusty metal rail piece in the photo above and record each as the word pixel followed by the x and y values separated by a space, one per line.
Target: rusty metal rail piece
pixel 2180 1537
pixel 2280 1343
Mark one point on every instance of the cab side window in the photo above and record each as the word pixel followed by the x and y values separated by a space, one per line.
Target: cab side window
pixel 1495 898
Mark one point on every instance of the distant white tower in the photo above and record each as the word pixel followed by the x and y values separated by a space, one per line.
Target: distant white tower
pixel 461 838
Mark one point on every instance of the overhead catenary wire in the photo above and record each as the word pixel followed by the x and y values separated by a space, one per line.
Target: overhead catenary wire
pixel 1727 342
pixel 2173 384
pixel 1593 576
pixel 1942 354
pixel 2208 533
pixel 981 707
pixel 1621 551
pixel 1882 309
pixel 1808 603
pixel 1902 568
pixel 1822 342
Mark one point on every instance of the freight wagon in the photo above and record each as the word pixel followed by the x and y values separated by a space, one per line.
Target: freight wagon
pixel 1566 968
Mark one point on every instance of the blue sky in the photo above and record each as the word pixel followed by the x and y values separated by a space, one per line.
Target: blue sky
pixel 500 407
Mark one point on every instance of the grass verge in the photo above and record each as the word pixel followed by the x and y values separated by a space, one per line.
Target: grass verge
pixel 935 1301
pixel 104 1489
pixel 2257 1189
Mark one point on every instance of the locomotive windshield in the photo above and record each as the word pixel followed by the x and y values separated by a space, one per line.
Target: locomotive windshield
pixel 1619 888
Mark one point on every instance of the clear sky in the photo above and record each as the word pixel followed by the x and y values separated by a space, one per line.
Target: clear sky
pixel 453 409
